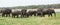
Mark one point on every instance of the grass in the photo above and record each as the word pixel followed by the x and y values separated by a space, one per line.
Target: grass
pixel 31 20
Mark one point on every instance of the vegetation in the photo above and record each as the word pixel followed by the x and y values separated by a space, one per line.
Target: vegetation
pixel 56 6
pixel 37 20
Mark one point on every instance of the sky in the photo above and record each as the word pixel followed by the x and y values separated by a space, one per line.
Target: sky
pixel 13 3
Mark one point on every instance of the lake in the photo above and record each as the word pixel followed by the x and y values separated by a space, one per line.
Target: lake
pixel 56 10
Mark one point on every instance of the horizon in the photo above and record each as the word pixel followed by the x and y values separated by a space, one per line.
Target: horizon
pixel 14 3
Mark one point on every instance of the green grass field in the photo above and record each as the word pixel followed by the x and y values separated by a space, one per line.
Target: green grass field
pixel 31 20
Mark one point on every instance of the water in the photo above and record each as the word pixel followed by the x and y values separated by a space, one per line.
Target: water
pixel 56 10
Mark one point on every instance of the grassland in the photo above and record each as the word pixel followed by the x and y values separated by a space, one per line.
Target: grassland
pixel 31 20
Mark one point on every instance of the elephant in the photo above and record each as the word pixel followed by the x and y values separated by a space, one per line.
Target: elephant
pixel 23 12
pixel 16 13
pixel 6 12
pixel 44 12
pixel 49 12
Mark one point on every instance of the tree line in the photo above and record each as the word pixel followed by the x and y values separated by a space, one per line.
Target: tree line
pixel 56 6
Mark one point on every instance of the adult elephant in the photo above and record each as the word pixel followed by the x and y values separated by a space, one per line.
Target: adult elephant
pixel 23 12
pixel 49 12
pixel 6 12
pixel 16 13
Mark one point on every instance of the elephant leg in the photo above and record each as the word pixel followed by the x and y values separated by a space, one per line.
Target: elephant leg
pixel 34 14
pixel 17 16
pixel 27 15
pixel 31 15
pixel 51 15
pixel 21 16
pixel 6 15
pixel 37 14
pixel 48 15
pixel 13 16
pixel 9 15
pixel 3 15
pixel 43 15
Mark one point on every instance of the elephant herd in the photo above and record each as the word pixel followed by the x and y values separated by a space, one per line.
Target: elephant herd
pixel 23 13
